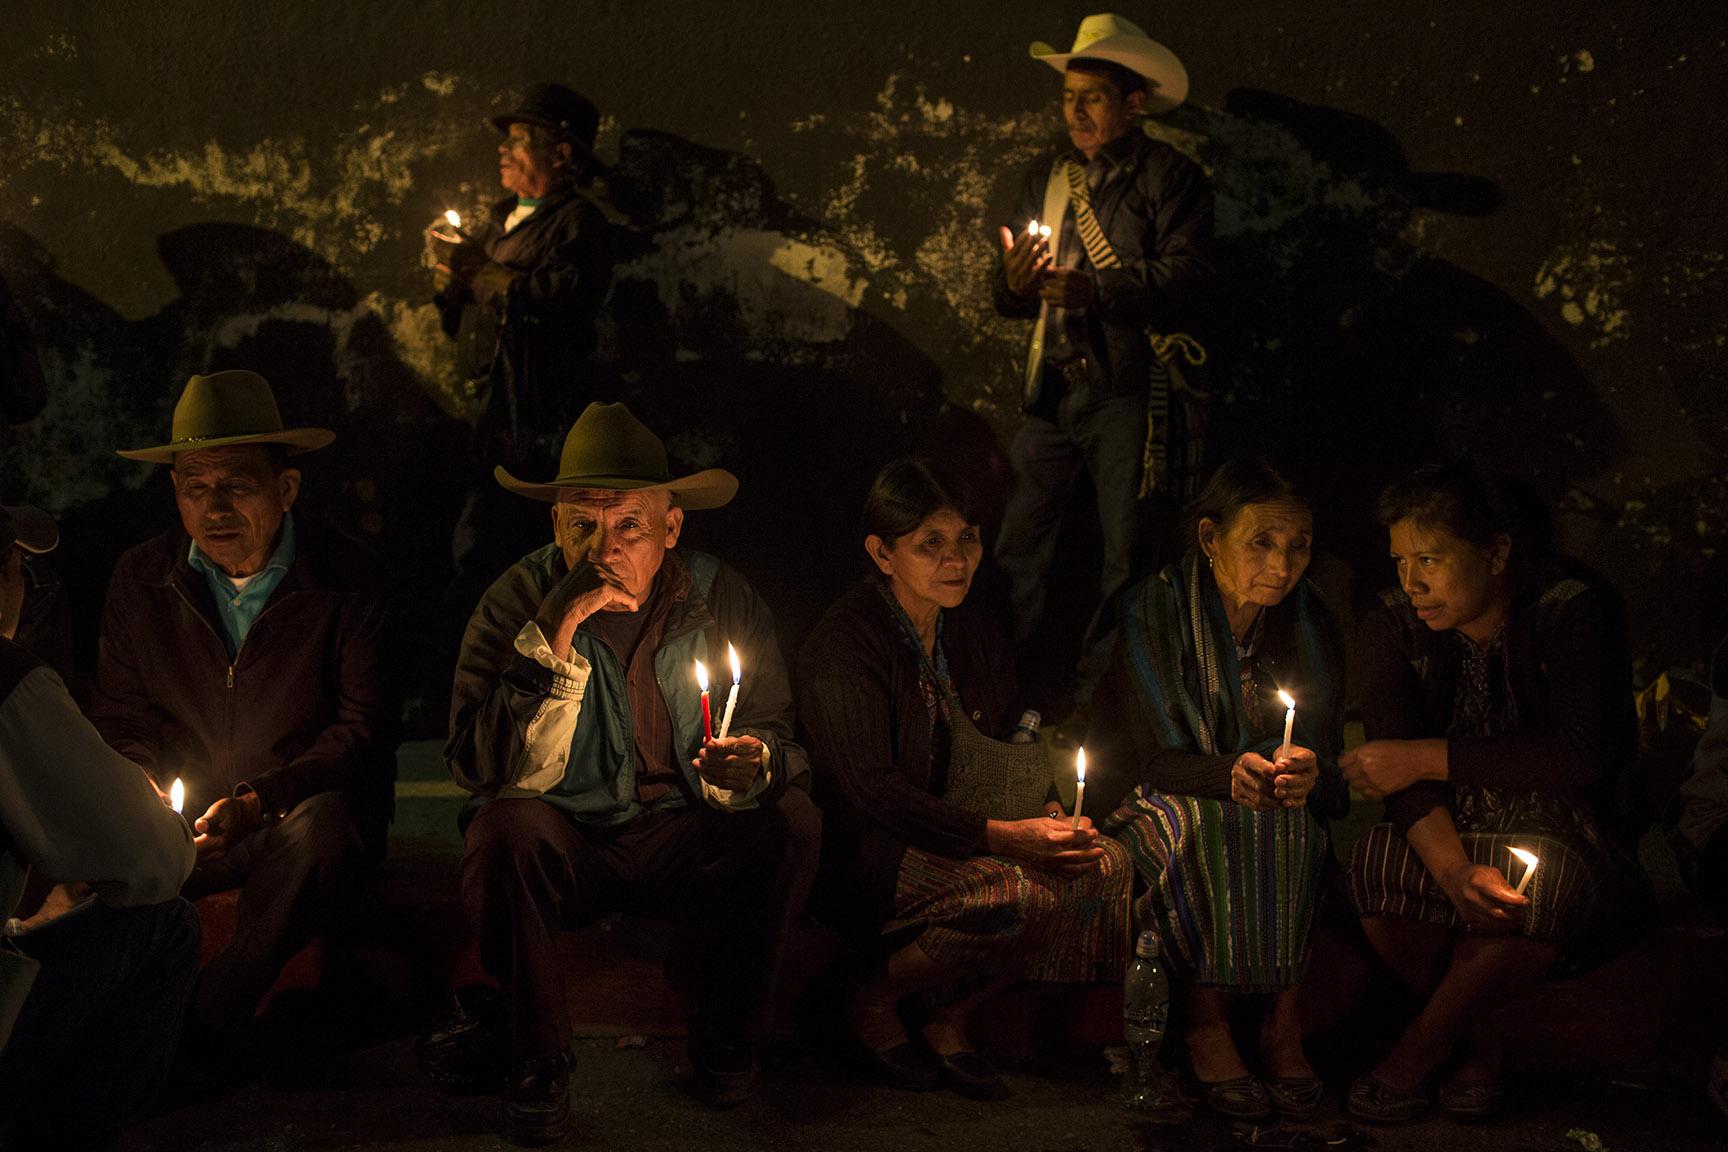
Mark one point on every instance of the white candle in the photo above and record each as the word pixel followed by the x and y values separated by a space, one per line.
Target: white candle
pixel 1529 859
pixel 731 697
pixel 177 795
pixel 1079 788
pixel 1289 722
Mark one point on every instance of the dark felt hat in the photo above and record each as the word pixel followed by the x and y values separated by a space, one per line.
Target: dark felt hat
pixel 558 108
pixel 30 528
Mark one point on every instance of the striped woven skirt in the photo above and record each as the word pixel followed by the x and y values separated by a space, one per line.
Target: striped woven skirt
pixel 1004 919
pixel 1232 892
pixel 1592 906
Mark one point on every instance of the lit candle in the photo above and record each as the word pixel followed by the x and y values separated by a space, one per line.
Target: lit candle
pixel 177 795
pixel 707 716
pixel 732 696
pixel 1032 228
pixel 1289 722
pixel 455 220
pixel 1529 859
pixel 1079 788
pixel 1044 231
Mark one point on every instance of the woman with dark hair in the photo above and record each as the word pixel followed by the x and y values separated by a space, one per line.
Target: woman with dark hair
pixel 944 900
pixel 1227 825
pixel 1496 698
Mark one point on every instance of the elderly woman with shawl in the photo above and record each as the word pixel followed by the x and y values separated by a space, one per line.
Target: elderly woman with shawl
pixel 1226 824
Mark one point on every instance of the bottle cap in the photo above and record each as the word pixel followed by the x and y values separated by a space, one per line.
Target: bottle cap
pixel 1029 720
pixel 1147 946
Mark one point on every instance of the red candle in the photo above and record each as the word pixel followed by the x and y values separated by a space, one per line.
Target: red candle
pixel 707 714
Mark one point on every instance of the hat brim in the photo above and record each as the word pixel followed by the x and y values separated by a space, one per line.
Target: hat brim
pixel 503 122
pixel 1166 78
pixel 297 440
pixel 32 529
pixel 709 488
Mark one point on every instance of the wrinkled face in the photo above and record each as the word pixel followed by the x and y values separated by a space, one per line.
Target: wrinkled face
pixel 1096 113
pixel 1260 554
pixel 11 590
pixel 524 167
pixel 625 533
pixel 232 505
pixel 1452 583
pixel 933 564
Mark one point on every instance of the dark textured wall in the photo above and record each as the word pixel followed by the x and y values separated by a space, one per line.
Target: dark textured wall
pixel 1488 227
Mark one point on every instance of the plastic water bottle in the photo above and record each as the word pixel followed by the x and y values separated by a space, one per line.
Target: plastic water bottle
pixel 1026 732
pixel 1145 1012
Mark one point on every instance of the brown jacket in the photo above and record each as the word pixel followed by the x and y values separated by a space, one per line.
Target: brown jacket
pixel 307 706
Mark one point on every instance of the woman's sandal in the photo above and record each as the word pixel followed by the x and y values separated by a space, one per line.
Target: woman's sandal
pixel 1473 1099
pixel 1241 1098
pixel 1379 1103
pixel 1295 1097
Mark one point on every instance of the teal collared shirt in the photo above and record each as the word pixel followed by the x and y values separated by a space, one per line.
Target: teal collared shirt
pixel 238 608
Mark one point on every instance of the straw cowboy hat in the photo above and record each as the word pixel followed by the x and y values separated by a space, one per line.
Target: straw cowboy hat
pixel 227 408
pixel 608 448
pixel 1118 40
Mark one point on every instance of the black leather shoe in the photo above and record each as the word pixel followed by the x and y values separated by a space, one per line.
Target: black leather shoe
pixel 909 1066
pixel 724 1075
pixel 537 1100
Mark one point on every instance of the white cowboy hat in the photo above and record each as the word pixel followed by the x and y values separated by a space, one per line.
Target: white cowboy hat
pixel 1118 40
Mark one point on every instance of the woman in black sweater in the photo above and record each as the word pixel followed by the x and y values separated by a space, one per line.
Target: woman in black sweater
pixel 1496 698
pixel 941 900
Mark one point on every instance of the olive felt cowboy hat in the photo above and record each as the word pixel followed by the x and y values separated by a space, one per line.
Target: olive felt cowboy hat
pixel 609 449
pixel 227 408
pixel 1118 40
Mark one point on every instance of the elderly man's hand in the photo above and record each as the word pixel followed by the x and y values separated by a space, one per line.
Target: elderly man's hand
pixel 225 823
pixel 732 763
pixel 1068 288
pixel 586 589
pixel 1024 258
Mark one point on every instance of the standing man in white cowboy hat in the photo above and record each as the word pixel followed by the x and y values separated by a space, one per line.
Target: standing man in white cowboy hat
pixel 244 653
pixel 94 978
pixel 577 723
pixel 1129 254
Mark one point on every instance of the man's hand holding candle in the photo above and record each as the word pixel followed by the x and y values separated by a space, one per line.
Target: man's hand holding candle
pixel 225 823
pixel 732 763
pixel 460 267
pixel 1025 256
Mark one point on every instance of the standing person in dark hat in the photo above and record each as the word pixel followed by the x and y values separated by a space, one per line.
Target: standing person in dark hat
pixel 244 652
pixel 521 295
pixel 577 723
pixel 1126 265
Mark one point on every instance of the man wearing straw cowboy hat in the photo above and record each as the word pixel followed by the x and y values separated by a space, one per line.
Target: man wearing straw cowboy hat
pixel 243 653
pixel 578 724
pixel 1128 254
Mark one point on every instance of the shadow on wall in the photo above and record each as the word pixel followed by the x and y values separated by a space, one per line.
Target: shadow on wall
pixel 1349 355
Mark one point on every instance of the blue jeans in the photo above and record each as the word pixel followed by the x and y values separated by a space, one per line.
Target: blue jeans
pixel 1108 439
pixel 92 1044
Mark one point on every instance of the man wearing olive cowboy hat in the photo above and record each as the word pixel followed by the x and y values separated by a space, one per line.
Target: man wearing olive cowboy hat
pixel 577 722
pixel 1129 256
pixel 244 652
pixel 521 295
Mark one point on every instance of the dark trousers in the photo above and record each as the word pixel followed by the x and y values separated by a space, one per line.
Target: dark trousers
pixel 297 879
pixel 92 1044
pixel 739 879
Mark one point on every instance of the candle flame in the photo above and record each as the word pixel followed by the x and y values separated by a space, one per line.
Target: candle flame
pixel 1289 700
pixel 1529 858
pixel 1080 765
pixel 177 794
pixel 1032 228
pixel 701 676
pixel 1044 231
pixel 454 217
pixel 732 655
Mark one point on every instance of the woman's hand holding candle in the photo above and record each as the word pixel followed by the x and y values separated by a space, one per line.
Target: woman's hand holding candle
pixel 1052 844
pixel 1482 897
